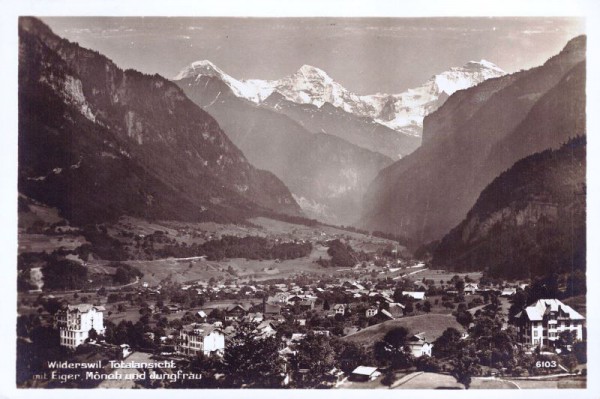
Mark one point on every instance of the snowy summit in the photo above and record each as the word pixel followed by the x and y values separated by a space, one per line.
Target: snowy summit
pixel 402 112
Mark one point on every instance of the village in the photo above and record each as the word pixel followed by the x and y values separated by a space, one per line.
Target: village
pixel 381 332
pixel 300 305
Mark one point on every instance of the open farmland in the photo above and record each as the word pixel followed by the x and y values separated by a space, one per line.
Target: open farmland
pixel 433 324
pixel 444 275
pixel 48 243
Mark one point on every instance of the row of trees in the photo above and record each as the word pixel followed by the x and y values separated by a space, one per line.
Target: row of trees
pixel 249 247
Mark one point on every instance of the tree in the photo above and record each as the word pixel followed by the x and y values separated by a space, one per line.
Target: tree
pixel 427 364
pixel 519 301
pixel 580 351
pixel 393 350
pixel 465 318
pixel 252 362
pixel 464 366
pixel 447 344
pixel 389 378
pixel 459 284
pixel 315 357
pixel 427 306
pixel 326 305
pixel 566 340
pixel 349 355
pixel 93 334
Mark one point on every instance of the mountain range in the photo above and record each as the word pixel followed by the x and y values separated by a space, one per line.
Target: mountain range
pixel 98 142
pixel 324 142
pixel 326 174
pixel 365 120
pixel 476 135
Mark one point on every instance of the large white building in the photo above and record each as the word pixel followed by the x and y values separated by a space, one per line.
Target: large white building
pixel 76 321
pixel 205 338
pixel 542 323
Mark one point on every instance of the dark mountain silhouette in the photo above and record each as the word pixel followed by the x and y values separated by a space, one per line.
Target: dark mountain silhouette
pixel 98 142
pixel 477 134
pixel 530 221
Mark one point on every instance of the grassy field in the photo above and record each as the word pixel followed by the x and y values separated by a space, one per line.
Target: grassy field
pixel 191 269
pixel 433 324
pixel 37 213
pixel 431 381
pixel 48 243
pixel 444 275
pixel 321 233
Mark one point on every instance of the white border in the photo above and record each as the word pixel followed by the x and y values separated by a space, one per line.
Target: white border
pixel 10 10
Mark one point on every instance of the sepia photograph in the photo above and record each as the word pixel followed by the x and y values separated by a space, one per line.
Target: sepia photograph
pixel 373 202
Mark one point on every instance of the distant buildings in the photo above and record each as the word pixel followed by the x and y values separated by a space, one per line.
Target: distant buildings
pixel 76 321
pixel 542 323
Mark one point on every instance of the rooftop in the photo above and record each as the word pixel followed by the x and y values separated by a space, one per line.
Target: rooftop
pixel 536 311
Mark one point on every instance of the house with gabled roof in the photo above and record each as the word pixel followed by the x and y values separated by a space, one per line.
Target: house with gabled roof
pixel 542 323
pixel 471 288
pixel 420 345
pixel 236 311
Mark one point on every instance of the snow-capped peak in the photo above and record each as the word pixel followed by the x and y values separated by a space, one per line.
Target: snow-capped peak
pixel 254 90
pixel 310 70
pixel 311 85
pixel 202 67
pixel 485 64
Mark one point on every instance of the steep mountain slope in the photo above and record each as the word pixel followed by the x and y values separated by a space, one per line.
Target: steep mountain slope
pixel 358 130
pixel 528 222
pixel 386 123
pixel 327 175
pixel 97 142
pixel 427 193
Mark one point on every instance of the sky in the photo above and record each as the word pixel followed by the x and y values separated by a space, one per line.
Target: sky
pixel 366 55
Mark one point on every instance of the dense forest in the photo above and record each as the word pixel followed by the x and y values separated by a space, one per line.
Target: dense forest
pixel 530 221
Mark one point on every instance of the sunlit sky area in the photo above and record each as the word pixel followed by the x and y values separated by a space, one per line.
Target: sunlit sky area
pixel 366 55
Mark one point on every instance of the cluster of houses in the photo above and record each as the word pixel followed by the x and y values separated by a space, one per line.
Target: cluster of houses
pixel 538 325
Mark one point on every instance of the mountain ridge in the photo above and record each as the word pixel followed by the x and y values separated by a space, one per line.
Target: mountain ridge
pixel 326 174
pixel 310 85
pixel 455 158
pixel 141 146
pixel 529 221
